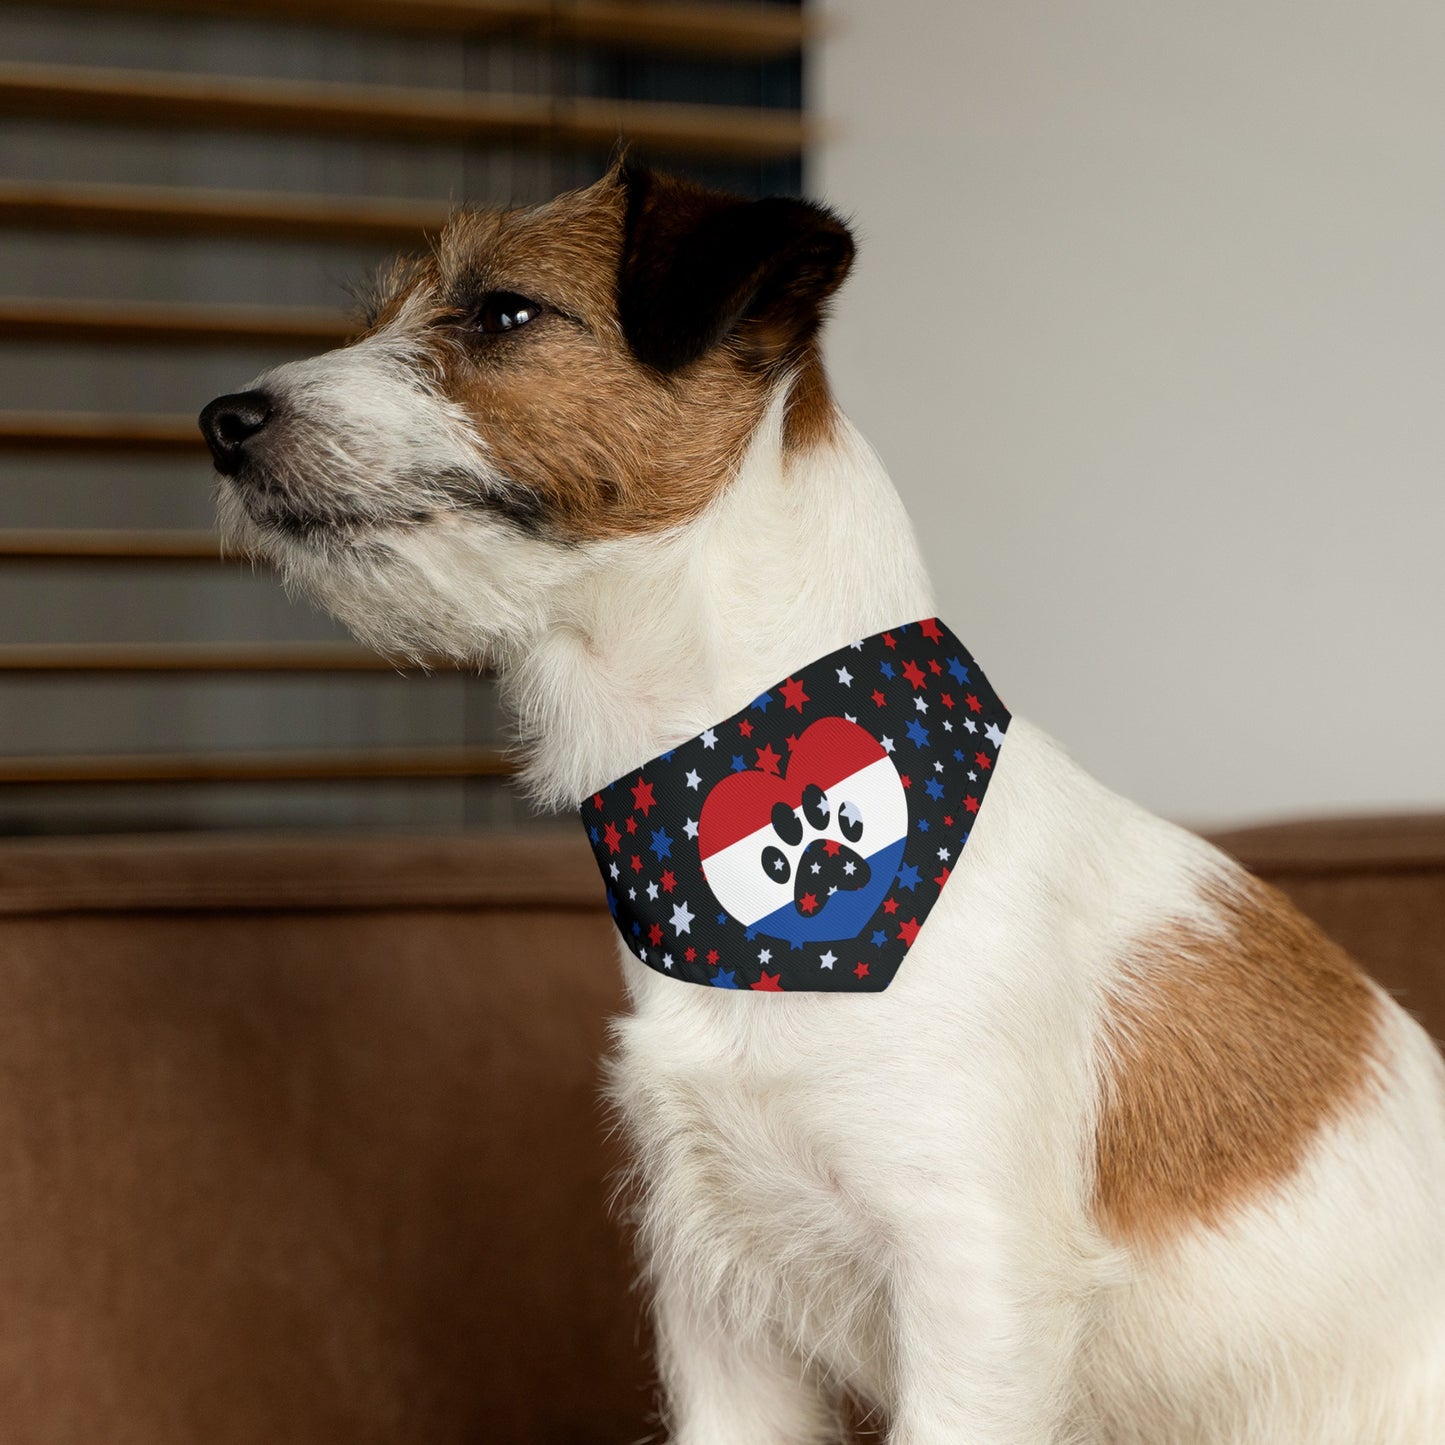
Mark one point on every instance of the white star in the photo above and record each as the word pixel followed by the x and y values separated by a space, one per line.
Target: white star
pixel 632 893
pixel 709 739
pixel 765 955
pixel 849 813
pixel 992 733
pixel 850 717
pixel 832 890
pixel 969 723
pixel 845 677
pixel 682 917
pixel 817 867
pixel 856 646
pixel 667 960
pixel 943 853
pixel 780 865
pixel 690 827
pixel 828 959
pixel 972 777
pixel 849 869
pixel 613 871
pixel 938 767
pixel 887 744
pixel 652 891
pixel 947 726
pixel 692 778
pixel 920 704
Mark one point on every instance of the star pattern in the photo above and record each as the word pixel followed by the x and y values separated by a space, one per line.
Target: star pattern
pixel 659 896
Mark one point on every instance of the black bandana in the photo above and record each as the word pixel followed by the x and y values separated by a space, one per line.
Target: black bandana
pixel 800 844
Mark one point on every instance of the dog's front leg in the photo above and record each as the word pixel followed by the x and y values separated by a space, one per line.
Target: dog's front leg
pixel 722 1386
pixel 985 1340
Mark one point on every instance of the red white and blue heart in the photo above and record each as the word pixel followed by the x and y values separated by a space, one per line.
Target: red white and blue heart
pixel 838 814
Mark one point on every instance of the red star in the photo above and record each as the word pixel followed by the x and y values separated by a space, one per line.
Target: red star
pixel 933 666
pixel 831 846
pixel 890 905
pixel 878 697
pixel 974 705
pixel 612 838
pixel 861 970
pixel 631 826
pixel 745 728
pixel 793 694
pixel 636 864
pixel 690 954
pixel 971 803
pixel 768 760
pixel 947 821
pixel 905 780
pixel 889 640
pixel 808 903
pixel 654 934
pixel 768 983
pixel 597 801
pixel 947 700
pixel 667 880
pixel 792 741
pixel 712 958
pixel 642 798
pixel 942 878
pixel 909 931
pixel 930 630
pixel 982 760
pixel 914 674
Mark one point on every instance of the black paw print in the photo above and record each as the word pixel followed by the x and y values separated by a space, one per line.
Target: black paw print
pixel 823 866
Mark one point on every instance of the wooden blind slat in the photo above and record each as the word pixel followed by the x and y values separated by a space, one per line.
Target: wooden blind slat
pixel 190 657
pixel 158 323
pixel 258 767
pixel 74 544
pixel 79 431
pixel 715 29
pixel 156 98
pixel 168 210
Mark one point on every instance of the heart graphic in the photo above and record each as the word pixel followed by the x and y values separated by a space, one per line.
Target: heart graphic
pixel 807 855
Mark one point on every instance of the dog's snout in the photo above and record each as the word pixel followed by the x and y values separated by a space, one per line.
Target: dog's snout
pixel 229 422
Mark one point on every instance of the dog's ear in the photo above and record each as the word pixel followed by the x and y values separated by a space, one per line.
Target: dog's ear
pixel 699 266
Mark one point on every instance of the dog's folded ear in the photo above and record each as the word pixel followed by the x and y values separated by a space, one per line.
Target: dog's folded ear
pixel 700 266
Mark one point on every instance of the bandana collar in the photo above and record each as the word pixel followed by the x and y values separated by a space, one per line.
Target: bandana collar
pixel 799 845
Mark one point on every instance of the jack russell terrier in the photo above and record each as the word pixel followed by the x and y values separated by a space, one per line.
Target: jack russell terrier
pixel 1112 1147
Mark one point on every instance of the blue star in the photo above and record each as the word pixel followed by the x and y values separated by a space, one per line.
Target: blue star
pixel 795 946
pixel 612 902
pixel 918 733
pixel 661 844
pixel 886 668
pixel 636 929
pixel 721 919
pixel 879 938
pixel 934 789
pixel 957 670
pixel 750 934
pixel 738 763
pixel 593 831
pixel 923 825
pixel 908 877
pixel 667 757
pixel 761 703
pixel 724 979
pixel 958 755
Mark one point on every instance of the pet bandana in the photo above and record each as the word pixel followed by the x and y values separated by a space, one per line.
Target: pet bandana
pixel 800 844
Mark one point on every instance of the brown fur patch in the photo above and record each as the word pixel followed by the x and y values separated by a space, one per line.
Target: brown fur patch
pixel 1225 1055
pixel 812 415
pixel 602 444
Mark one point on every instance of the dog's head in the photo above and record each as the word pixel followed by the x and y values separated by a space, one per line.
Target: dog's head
pixel 563 377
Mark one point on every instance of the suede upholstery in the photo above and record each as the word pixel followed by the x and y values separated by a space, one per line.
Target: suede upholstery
pixel 300 1138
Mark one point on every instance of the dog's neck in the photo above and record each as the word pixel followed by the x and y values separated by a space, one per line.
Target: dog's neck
pixel 659 637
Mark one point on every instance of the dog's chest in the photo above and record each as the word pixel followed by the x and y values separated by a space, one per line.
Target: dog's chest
pixel 750 1179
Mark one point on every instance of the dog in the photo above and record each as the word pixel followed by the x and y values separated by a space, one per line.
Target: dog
pixel 1128 1152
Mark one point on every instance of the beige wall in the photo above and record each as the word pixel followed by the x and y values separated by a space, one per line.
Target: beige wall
pixel 1149 324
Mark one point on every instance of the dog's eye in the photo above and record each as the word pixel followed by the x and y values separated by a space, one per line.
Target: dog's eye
pixel 504 311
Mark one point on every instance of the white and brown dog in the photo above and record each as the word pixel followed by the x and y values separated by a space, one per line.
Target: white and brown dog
pixel 1128 1153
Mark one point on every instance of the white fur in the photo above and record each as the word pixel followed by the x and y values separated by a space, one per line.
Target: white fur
pixel 889 1194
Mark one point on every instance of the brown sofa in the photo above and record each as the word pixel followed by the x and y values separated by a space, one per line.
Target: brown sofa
pixel 300 1140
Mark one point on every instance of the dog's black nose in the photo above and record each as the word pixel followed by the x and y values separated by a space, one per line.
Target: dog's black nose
pixel 229 422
